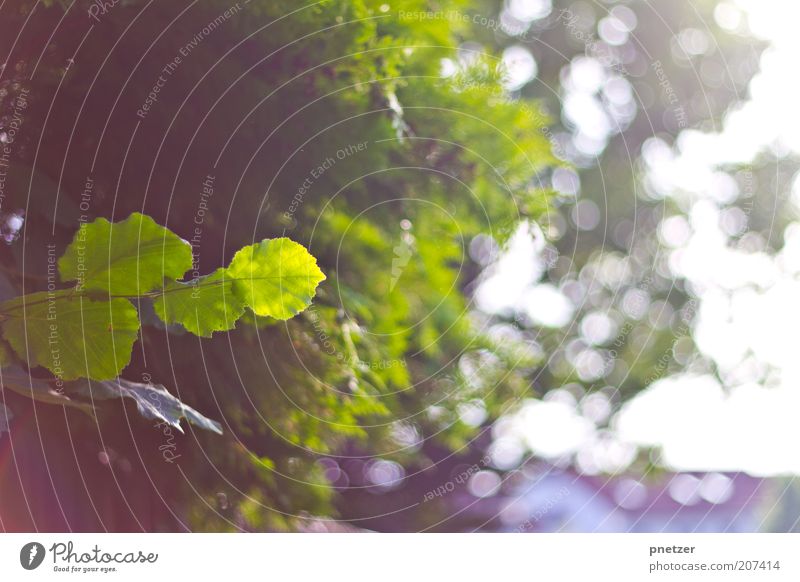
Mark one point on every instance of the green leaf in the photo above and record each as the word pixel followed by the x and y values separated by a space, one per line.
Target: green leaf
pixel 276 278
pixel 152 400
pixel 72 336
pixel 6 354
pixel 130 257
pixel 202 306
pixel 21 382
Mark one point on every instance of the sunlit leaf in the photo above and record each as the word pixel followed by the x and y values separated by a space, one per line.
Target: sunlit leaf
pixel 72 336
pixel 203 306
pixel 276 278
pixel 130 257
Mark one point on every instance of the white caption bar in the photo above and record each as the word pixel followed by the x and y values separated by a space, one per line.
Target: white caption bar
pixel 389 557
